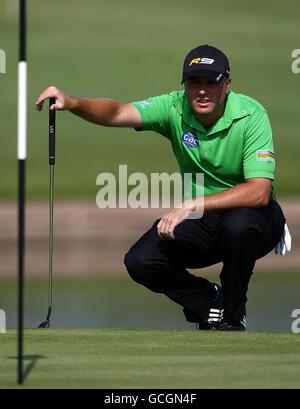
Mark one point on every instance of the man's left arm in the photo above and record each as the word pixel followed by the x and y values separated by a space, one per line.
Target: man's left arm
pixel 253 193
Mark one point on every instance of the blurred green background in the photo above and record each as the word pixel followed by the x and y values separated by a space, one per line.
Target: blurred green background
pixel 118 302
pixel 130 50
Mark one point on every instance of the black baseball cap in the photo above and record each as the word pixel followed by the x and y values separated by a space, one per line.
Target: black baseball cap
pixel 206 61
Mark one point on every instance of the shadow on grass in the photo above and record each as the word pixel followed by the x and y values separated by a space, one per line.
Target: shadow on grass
pixel 28 367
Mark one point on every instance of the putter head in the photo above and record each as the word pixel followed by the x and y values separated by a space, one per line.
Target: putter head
pixel 45 324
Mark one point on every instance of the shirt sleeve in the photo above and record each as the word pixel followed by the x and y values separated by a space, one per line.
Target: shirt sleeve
pixel 258 154
pixel 155 112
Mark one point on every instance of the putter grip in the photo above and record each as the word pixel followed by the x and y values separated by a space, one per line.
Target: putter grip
pixel 51 132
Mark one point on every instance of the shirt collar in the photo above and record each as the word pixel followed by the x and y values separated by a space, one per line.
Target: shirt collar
pixel 234 110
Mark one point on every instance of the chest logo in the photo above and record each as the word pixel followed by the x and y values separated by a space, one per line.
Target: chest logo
pixel 190 139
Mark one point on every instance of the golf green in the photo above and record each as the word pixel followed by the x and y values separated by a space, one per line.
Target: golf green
pixel 114 358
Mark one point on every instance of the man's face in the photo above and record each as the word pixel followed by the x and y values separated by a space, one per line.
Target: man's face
pixel 204 95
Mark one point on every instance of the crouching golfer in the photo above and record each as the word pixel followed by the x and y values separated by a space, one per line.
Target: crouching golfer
pixel 230 142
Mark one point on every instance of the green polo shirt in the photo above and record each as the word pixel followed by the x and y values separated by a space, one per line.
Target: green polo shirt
pixel 239 146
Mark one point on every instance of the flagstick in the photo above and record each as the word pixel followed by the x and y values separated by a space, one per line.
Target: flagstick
pixel 22 125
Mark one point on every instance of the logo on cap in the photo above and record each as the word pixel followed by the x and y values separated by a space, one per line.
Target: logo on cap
pixel 190 139
pixel 200 60
pixel 211 66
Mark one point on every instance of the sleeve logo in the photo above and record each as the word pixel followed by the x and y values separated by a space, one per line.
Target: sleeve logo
pixel 263 154
pixel 145 102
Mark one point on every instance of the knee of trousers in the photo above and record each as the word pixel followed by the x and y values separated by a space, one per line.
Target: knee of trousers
pixel 137 267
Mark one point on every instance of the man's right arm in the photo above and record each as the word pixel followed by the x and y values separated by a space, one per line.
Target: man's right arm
pixel 101 111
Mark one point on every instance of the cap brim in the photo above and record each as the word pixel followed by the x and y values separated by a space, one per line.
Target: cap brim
pixel 212 75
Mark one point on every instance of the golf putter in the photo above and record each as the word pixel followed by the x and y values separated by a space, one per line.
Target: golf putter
pixel 46 323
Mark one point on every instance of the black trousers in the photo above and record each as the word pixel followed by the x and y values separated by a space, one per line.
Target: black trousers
pixel 236 237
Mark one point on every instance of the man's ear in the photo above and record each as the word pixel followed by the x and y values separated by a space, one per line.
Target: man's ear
pixel 228 85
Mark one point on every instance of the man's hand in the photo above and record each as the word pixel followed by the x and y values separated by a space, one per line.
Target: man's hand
pixel 169 221
pixel 62 101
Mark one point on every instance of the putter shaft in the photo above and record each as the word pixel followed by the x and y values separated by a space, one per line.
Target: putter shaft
pixel 46 324
pixel 51 197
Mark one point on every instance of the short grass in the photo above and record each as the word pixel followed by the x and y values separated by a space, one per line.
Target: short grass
pixel 114 358
pixel 130 50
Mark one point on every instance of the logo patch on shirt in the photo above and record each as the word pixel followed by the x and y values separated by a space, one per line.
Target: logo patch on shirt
pixel 145 102
pixel 190 139
pixel 263 154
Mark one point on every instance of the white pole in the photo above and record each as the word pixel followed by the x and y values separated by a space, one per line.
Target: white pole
pixel 22 109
